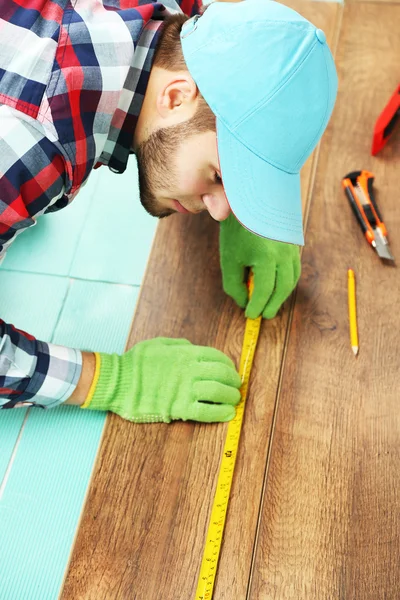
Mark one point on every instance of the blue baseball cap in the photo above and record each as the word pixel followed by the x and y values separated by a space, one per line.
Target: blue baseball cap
pixel 270 79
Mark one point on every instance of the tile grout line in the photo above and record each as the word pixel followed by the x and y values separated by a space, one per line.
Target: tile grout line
pixel 92 199
pixel 99 448
pixel 69 284
pixel 42 273
pixel 140 286
pixel 100 444
pixel 21 431
pixel 70 280
pixel 83 509
pixel 13 455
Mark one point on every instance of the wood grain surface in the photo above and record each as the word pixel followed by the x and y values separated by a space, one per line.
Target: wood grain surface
pixel 143 528
pixel 374 1
pixel 318 454
pixel 331 510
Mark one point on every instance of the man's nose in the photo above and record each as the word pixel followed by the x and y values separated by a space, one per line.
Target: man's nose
pixel 217 205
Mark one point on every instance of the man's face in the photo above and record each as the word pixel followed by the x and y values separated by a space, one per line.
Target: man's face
pixel 182 174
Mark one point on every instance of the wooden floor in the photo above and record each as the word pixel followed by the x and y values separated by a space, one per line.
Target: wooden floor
pixel 315 504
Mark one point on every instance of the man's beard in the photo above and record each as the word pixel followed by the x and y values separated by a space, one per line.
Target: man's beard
pixel 155 157
pixel 148 199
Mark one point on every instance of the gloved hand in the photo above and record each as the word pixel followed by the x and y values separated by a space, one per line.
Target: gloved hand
pixel 164 379
pixel 276 267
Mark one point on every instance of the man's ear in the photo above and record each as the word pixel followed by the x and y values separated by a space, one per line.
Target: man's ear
pixel 177 99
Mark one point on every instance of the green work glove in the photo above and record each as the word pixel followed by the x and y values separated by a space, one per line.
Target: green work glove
pixel 165 379
pixel 276 268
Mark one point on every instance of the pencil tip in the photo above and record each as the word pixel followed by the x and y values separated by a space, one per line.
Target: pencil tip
pixel 355 350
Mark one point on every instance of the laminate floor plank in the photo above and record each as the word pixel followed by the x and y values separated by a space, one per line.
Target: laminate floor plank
pixel 330 518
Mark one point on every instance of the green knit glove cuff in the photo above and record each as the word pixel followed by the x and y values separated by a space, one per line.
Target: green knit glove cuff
pixel 114 389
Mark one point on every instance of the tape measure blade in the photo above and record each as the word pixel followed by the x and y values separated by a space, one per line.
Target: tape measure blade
pixel 219 509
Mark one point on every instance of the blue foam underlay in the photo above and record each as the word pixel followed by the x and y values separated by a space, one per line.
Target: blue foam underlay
pixel 73 279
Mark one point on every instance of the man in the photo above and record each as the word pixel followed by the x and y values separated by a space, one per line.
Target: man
pixel 221 111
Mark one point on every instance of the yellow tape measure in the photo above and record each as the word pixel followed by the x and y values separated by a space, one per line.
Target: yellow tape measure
pixel 208 570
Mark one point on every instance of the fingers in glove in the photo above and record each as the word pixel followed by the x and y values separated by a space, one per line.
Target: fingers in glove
pixel 284 286
pixel 212 413
pixel 264 283
pixel 233 282
pixel 212 355
pixel 212 391
pixel 172 341
pixel 221 372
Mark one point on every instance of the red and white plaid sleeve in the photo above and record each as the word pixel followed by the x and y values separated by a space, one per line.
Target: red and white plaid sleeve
pixel 31 180
pixel 31 175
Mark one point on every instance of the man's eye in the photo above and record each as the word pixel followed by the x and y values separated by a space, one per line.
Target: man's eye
pixel 217 178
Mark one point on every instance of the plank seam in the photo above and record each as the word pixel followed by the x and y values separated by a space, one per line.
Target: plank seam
pixel 269 450
pixel 335 43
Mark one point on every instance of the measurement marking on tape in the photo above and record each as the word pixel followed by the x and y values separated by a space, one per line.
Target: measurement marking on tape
pixel 205 584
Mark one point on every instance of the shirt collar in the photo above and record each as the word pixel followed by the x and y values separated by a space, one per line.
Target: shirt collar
pixel 118 146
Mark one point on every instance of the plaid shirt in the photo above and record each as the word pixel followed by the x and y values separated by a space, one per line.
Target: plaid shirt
pixel 68 103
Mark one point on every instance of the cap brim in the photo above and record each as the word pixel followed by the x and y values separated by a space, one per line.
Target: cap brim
pixel 263 198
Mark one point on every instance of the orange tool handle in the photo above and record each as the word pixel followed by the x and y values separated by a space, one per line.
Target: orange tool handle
pixel 358 189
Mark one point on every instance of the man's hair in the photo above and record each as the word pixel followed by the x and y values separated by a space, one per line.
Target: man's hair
pixel 168 53
pixel 154 154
